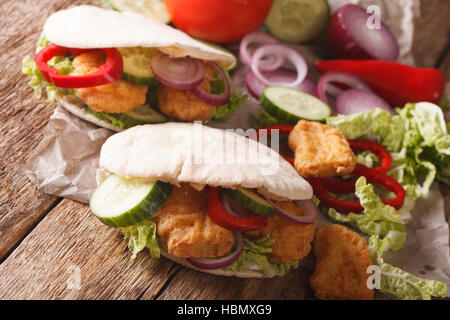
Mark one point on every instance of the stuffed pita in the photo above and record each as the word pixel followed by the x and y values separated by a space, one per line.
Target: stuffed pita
pixel 209 199
pixel 121 69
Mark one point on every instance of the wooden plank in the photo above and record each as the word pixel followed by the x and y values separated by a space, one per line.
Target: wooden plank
pixel 72 255
pixel 22 119
pixel 432 32
pixel 187 284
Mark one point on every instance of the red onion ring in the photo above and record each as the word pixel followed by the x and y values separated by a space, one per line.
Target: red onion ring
pixel 349 36
pixel 233 208
pixel 278 77
pixel 309 208
pixel 178 73
pixel 272 63
pixel 215 99
pixel 355 101
pixel 285 52
pixel 324 85
pixel 221 262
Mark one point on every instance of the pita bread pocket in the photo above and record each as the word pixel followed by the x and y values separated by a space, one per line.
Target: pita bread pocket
pixel 121 69
pixel 175 189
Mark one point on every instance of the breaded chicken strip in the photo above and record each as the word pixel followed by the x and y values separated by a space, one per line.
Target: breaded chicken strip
pixel 183 105
pixel 185 228
pixel 292 241
pixel 341 266
pixel 320 150
pixel 118 97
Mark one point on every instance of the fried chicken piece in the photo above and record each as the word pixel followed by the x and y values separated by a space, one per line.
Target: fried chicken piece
pixel 185 228
pixel 118 97
pixel 184 105
pixel 341 267
pixel 320 150
pixel 292 241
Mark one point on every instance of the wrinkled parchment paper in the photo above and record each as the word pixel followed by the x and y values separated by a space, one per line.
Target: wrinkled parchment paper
pixel 65 161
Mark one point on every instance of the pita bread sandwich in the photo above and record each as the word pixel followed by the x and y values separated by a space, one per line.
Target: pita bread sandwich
pixel 121 69
pixel 209 199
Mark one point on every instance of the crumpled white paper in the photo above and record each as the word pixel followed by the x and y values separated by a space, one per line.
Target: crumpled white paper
pixel 65 161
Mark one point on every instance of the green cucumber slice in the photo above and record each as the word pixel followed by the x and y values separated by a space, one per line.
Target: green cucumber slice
pixel 298 20
pixel 122 202
pixel 252 201
pixel 136 65
pixel 289 105
pixel 150 8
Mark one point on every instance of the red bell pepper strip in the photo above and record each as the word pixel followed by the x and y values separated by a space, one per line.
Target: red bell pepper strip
pixel 378 149
pixel 395 82
pixel 343 187
pixel 109 72
pixel 373 176
pixel 282 128
pixel 220 216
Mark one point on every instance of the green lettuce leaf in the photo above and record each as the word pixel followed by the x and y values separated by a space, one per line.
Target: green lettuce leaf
pixel 368 159
pixel 235 101
pixel 254 257
pixel 397 283
pixel 377 218
pixel 140 236
pixel 373 122
pixel 37 82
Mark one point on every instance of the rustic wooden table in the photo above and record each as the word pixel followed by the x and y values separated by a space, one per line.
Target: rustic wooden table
pixel 45 241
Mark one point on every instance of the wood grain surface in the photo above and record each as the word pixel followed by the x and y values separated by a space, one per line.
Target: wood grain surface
pixel 47 245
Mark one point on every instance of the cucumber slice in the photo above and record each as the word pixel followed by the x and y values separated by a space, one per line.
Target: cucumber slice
pixel 298 20
pixel 144 114
pixel 150 8
pixel 122 202
pixel 290 105
pixel 136 65
pixel 252 201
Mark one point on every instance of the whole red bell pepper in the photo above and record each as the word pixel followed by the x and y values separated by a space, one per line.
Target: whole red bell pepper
pixel 395 82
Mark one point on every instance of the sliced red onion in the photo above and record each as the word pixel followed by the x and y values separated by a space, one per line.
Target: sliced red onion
pixel 272 62
pixel 309 208
pixel 287 53
pixel 278 78
pixel 355 101
pixel 178 73
pixel 353 33
pixel 215 99
pixel 325 86
pixel 221 262
pixel 233 208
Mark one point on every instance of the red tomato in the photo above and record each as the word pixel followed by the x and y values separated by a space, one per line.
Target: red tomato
pixel 224 21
